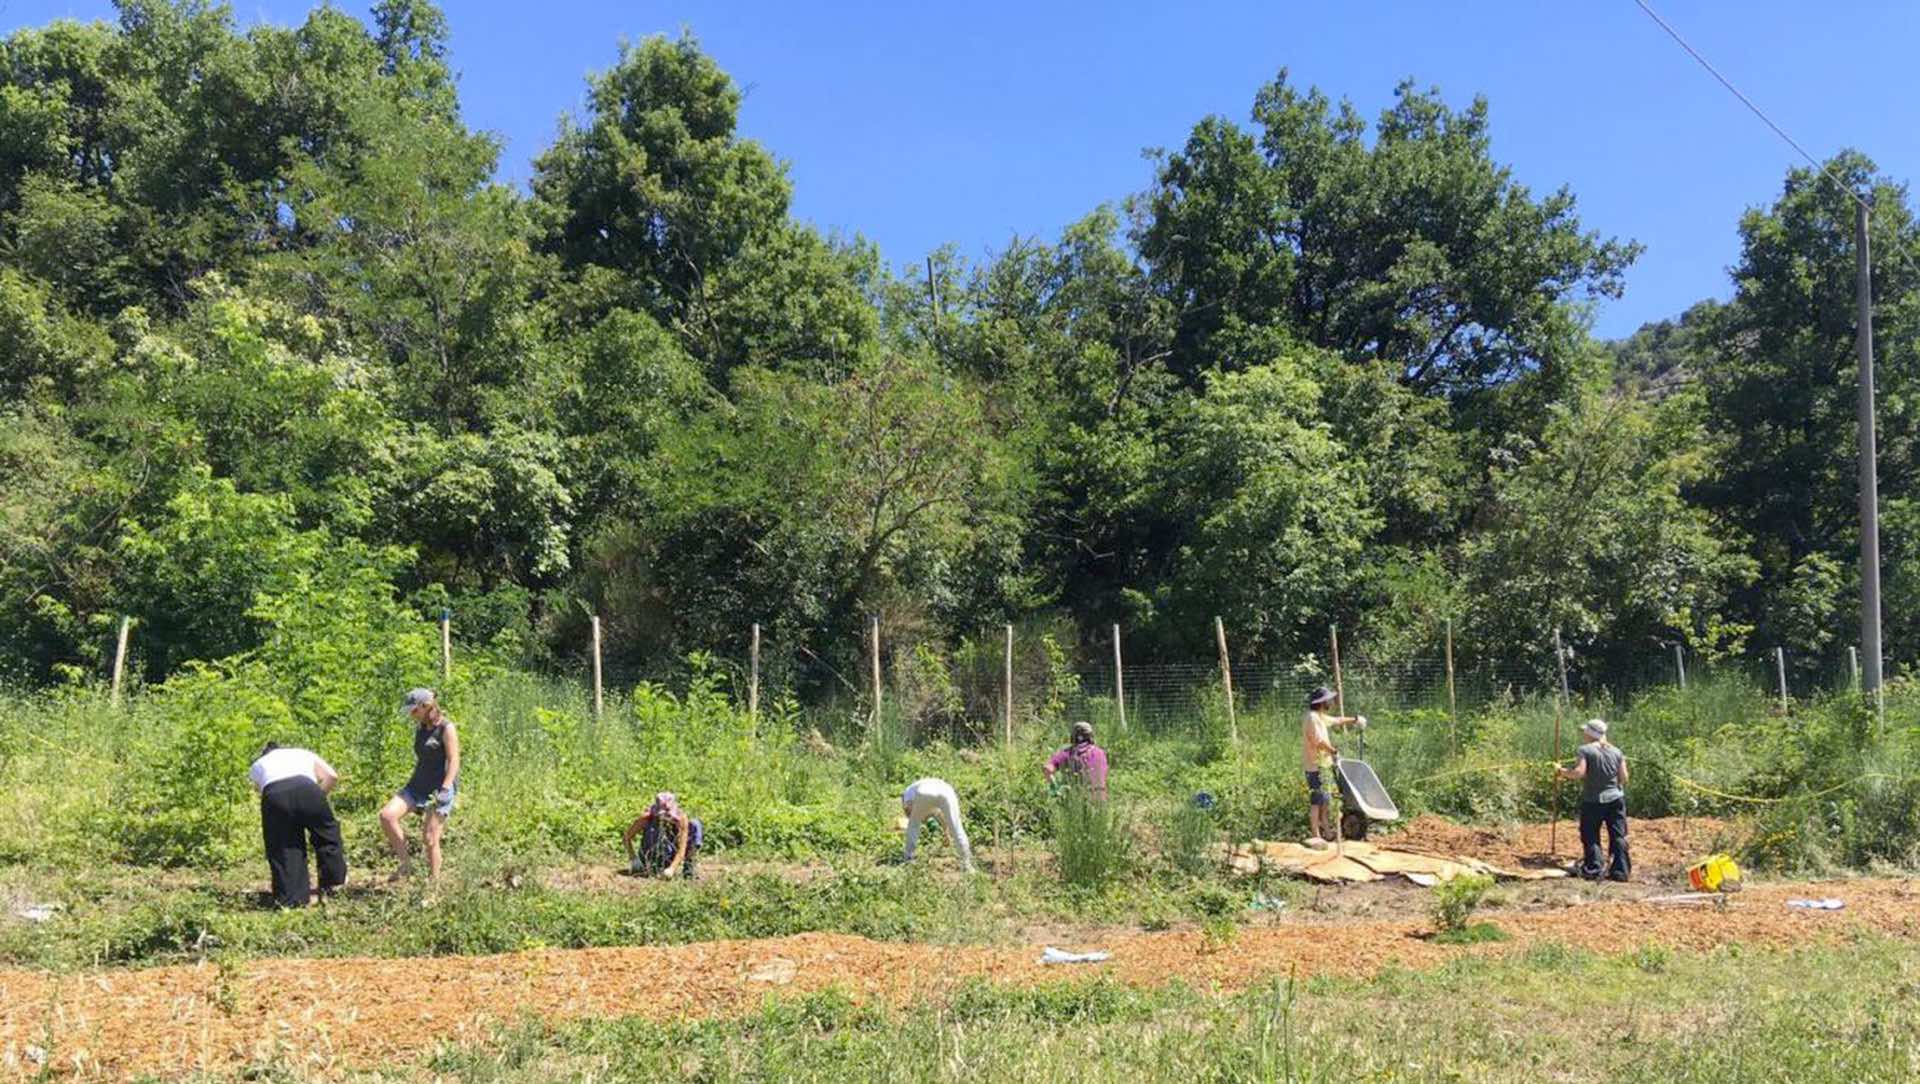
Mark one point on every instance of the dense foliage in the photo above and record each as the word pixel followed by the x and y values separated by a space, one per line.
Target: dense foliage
pixel 273 339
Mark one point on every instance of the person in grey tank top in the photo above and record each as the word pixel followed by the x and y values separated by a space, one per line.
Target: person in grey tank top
pixel 1602 772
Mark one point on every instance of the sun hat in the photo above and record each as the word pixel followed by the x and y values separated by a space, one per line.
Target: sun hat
pixel 1320 696
pixel 1082 731
pixel 417 698
pixel 1595 727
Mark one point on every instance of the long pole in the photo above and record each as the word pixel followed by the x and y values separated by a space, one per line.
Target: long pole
pixel 120 658
pixel 1007 676
pixel 1853 666
pixel 1780 671
pixel 1869 475
pixel 875 626
pixel 1339 690
pixel 753 679
pixel 1559 706
pixel 446 646
pixel 599 704
pixel 1226 679
pixel 1453 705
pixel 1680 666
pixel 1119 685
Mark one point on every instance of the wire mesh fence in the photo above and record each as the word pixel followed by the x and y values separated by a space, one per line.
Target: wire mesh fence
pixel 980 687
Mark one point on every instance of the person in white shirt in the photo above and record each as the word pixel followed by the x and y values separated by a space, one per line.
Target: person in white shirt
pixel 293 785
pixel 927 798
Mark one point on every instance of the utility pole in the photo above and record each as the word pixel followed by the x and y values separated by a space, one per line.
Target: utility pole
pixel 1869 479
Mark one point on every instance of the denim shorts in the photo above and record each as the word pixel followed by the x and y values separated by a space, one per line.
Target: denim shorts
pixel 420 803
pixel 1316 792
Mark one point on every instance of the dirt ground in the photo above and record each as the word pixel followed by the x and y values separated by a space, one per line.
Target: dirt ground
pixel 1661 846
pixel 339 1014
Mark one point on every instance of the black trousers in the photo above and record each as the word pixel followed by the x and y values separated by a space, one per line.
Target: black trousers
pixel 291 811
pixel 1613 815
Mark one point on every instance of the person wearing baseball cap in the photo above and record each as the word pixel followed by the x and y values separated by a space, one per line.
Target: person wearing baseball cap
pixel 1602 772
pixel 1316 752
pixel 432 786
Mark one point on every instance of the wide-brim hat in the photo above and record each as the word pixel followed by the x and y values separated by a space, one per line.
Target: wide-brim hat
pixel 1320 696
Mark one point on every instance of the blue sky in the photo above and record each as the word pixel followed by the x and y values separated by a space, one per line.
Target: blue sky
pixel 918 125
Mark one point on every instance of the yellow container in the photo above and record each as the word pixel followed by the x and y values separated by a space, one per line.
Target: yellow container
pixel 1714 873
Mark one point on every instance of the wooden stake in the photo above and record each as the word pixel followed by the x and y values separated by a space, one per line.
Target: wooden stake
pixel 599 703
pixel 120 658
pixel 1339 690
pixel 875 626
pixel 1119 686
pixel 446 646
pixel 1008 678
pixel 753 679
pixel 1559 706
pixel 1226 679
pixel 1780 669
pixel 1853 666
pixel 1453 705
pixel 1680 666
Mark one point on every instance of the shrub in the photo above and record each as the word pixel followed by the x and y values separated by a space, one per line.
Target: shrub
pixel 1186 838
pixel 1092 840
pixel 1454 901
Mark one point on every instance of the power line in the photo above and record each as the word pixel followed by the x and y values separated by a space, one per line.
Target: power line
pixel 1748 102
pixel 1824 170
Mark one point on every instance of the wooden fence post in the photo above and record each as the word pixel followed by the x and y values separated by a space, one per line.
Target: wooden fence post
pixel 1680 665
pixel 120 658
pixel 1007 677
pixel 1780 670
pixel 875 626
pixel 446 646
pixel 1226 679
pixel 599 703
pixel 1453 705
pixel 1119 686
pixel 753 680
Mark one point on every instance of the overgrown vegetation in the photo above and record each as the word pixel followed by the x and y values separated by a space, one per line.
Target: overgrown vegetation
pixel 269 324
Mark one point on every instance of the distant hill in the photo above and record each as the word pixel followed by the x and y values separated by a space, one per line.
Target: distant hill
pixel 1664 356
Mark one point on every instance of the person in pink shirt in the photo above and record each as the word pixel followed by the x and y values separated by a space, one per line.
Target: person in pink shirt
pixel 1084 761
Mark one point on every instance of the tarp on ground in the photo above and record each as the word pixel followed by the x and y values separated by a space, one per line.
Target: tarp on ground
pixel 1355 863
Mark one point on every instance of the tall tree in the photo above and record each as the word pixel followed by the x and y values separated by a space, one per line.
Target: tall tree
pixel 1781 389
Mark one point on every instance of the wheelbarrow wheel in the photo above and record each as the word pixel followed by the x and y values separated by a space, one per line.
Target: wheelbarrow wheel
pixel 1353 825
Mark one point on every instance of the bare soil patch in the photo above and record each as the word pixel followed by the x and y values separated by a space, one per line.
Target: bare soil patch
pixel 333 1015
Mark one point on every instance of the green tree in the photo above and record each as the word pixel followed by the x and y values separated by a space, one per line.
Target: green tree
pixel 657 205
pixel 1588 531
pixel 1781 389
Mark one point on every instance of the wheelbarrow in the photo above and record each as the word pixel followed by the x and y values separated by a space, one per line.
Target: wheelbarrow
pixel 1363 800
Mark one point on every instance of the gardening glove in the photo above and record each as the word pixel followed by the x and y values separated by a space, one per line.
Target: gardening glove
pixel 443 795
pixel 1363 722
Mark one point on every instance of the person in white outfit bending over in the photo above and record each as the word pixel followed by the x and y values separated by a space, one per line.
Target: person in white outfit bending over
pixel 935 798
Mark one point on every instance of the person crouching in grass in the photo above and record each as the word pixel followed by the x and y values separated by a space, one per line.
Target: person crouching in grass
pixel 669 839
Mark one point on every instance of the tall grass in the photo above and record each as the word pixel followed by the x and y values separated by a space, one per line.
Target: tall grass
pixel 161 780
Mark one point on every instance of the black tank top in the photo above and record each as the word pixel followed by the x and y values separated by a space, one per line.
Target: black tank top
pixel 429 758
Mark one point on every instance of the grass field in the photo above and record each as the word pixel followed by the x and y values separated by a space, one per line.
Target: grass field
pixel 1842 1014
